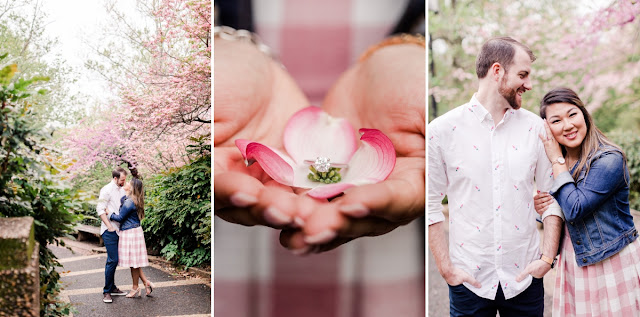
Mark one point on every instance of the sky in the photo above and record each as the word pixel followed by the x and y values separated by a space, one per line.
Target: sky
pixel 74 23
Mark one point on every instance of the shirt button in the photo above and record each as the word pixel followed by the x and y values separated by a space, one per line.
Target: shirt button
pixel 578 242
pixel 571 223
pixel 584 260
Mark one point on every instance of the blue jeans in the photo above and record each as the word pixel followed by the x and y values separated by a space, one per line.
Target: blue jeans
pixel 111 244
pixel 463 302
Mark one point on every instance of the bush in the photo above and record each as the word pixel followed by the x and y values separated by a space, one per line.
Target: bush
pixel 29 183
pixel 178 213
pixel 630 143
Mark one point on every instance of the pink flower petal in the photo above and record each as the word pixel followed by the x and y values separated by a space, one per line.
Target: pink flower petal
pixel 242 146
pixel 311 133
pixel 273 164
pixel 373 161
pixel 328 191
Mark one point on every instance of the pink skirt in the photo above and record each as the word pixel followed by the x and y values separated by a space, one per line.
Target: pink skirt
pixel 132 251
pixel 608 288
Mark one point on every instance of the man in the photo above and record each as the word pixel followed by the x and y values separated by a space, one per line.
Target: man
pixel 484 156
pixel 108 203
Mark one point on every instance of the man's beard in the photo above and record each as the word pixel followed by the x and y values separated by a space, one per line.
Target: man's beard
pixel 509 94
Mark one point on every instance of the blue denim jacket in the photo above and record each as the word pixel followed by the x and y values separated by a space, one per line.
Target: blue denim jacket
pixel 596 207
pixel 128 216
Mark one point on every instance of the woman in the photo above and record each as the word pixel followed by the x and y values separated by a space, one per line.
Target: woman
pixel 132 251
pixel 599 267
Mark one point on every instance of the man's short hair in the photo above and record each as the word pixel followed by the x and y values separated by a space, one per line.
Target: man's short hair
pixel 499 50
pixel 117 172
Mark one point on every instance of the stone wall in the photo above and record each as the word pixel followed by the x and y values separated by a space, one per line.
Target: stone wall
pixel 19 268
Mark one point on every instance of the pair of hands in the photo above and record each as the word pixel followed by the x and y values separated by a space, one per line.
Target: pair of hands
pixel 254 98
pixel 457 276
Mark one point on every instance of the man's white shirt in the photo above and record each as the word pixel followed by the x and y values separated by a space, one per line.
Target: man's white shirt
pixel 487 173
pixel 109 202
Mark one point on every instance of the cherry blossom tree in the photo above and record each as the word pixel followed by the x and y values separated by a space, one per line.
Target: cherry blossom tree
pixel 164 94
pixel 591 50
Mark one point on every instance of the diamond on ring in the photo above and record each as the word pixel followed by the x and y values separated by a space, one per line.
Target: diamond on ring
pixel 323 164
pixel 323 171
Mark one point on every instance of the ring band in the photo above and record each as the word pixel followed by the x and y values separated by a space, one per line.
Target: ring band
pixel 323 164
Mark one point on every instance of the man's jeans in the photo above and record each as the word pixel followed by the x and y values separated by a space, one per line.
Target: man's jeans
pixel 111 244
pixel 530 302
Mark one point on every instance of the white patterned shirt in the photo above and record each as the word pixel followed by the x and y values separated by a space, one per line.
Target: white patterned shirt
pixel 487 172
pixel 109 202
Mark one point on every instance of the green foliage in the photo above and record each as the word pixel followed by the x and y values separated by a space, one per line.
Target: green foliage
pixel 620 110
pixel 630 144
pixel 178 212
pixel 87 186
pixel 29 185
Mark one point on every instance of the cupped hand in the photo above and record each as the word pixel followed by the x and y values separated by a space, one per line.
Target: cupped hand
pixel 254 98
pixel 537 269
pixel 385 92
pixel 551 145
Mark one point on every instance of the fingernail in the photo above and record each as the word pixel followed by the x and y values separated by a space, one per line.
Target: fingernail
pixel 275 217
pixel 355 210
pixel 322 237
pixel 298 222
pixel 302 251
pixel 242 199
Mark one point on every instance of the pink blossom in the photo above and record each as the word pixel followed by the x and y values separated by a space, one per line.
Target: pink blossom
pixel 312 133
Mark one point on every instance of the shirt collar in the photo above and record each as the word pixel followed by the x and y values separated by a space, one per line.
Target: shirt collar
pixel 481 113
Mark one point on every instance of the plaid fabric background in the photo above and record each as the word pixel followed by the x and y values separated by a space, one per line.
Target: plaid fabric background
pixel 318 40
pixel 381 276
pixel 132 251
pixel 608 288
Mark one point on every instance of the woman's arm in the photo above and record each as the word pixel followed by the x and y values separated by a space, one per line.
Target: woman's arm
pixel 605 177
pixel 126 208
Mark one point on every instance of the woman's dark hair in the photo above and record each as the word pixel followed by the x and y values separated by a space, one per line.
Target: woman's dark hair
pixel 137 195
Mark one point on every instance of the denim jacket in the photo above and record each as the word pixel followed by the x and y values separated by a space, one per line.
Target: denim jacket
pixel 128 216
pixel 596 207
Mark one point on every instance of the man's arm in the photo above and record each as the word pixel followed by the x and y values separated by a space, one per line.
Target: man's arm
pixel 106 221
pixel 440 250
pixel 552 219
pixel 103 199
pixel 551 235
pixel 435 217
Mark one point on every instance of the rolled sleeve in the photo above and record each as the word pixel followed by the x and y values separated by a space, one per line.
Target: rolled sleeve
pixel 437 179
pixel 553 210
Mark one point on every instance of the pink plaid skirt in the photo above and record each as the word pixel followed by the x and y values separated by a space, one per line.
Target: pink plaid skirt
pixel 132 251
pixel 608 288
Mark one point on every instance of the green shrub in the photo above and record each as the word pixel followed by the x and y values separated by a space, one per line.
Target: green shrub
pixel 30 184
pixel 630 143
pixel 178 213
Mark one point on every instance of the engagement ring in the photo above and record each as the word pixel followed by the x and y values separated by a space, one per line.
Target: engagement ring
pixel 323 164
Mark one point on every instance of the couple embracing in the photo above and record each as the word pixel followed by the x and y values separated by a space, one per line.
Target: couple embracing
pixel 485 155
pixel 121 208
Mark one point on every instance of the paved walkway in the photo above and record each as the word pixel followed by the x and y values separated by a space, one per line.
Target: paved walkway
pixel 174 294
